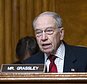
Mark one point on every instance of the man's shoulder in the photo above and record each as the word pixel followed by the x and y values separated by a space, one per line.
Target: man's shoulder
pixel 37 55
pixel 78 47
pixel 74 49
pixel 36 58
pixel 76 52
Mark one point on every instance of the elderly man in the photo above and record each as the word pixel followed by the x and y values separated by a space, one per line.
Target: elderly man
pixel 55 54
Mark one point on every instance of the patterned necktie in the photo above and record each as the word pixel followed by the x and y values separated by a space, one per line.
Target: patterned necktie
pixel 52 66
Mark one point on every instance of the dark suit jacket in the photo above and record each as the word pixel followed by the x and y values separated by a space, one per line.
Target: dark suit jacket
pixel 75 59
pixel 17 62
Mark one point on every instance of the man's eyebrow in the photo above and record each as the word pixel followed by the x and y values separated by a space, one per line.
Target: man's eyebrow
pixel 37 29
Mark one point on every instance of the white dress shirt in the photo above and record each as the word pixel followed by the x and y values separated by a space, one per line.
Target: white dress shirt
pixel 59 61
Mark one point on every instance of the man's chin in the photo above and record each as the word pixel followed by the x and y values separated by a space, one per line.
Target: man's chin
pixel 47 51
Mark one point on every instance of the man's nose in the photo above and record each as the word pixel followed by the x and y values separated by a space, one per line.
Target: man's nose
pixel 44 36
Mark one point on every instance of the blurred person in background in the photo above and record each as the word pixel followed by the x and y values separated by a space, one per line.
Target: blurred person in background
pixel 26 47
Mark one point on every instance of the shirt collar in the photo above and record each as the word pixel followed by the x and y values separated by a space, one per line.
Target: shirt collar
pixel 61 51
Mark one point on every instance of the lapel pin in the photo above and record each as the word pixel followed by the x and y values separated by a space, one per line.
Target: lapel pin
pixel 72 70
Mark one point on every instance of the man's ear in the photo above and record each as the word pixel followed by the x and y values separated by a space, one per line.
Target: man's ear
pixel 61 33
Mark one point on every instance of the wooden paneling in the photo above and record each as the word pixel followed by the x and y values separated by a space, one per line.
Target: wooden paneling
pixel 16 18
pixel 23 17
pixel 30 15
pixel 2 32
pixel 15 25
pixel 7 31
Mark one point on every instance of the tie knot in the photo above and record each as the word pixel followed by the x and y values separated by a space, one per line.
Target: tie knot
pixel 52 58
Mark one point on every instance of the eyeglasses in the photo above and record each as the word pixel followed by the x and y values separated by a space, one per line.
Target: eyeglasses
pixel 48 31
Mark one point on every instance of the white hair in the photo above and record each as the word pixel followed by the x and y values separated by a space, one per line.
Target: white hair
pixel 52 14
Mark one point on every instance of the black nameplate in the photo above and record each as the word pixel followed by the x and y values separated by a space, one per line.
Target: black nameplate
pixel 22 68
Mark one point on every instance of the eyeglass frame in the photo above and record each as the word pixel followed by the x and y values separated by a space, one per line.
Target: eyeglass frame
pixel 48 31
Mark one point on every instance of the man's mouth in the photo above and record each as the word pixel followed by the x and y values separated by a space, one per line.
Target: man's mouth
pixel 46 46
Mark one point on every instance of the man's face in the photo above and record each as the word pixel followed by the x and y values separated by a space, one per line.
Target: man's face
pixel 47 33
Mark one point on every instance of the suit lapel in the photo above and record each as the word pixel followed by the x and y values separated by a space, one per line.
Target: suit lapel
pixel 70 60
